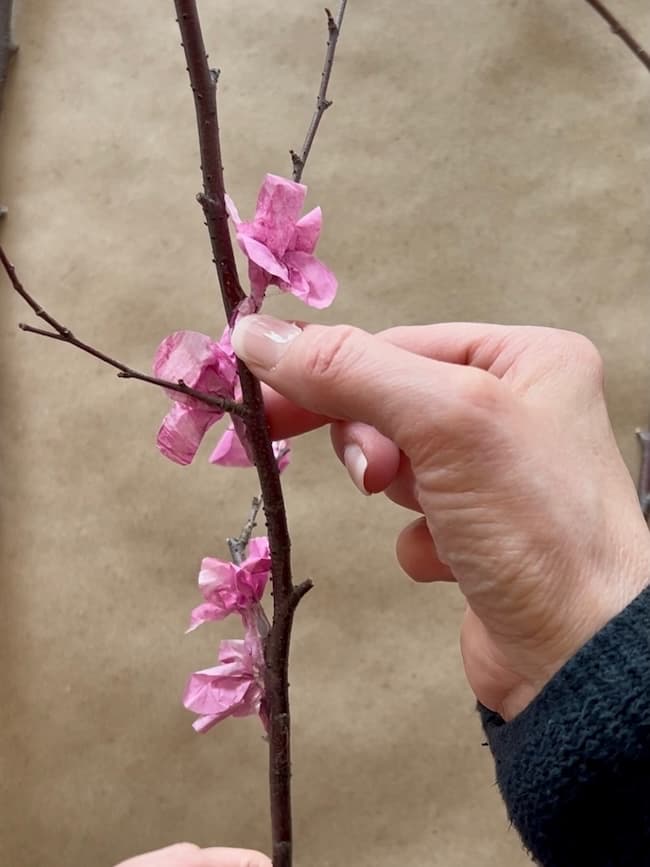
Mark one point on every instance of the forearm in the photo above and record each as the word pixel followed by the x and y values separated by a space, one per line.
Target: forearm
pixel 573 766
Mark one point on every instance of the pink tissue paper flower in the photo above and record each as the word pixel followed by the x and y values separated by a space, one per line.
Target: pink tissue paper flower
pixel 234 688
pixel 200 363
pixel 231 589
pixel 230 451
pixel 280 246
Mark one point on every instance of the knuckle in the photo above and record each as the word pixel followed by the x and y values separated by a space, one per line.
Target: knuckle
pixel 479 391
pixel 331 353
pixel 583 357
pixel 179 854
pixel 184 851
pixel 480 413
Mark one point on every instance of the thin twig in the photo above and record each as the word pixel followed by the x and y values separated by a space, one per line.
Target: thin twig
pixel 286 596
pixel 299 160
pixel 237 549
pixel 238 545
pixel 63 333
pixel 622 32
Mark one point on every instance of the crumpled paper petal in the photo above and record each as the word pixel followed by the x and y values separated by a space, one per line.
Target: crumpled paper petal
pixel 258 558
pixel 228 588
pixel 215 691
pixel 203 364
pixel 231 451
pixel 231 209
pixel 207 612
pixel 311 280
pixel 235 687
pixel 260 255
pixel 198 361
pixel 182 430
pixel 307 231
pixel 279 203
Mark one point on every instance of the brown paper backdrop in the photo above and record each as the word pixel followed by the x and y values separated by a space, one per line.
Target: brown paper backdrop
pixel 484 160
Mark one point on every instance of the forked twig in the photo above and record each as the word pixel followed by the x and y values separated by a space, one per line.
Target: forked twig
pixel 299 160
pixel 63 333
pixel 237 546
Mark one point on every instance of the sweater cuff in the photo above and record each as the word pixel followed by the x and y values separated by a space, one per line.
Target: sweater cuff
pixel 573 766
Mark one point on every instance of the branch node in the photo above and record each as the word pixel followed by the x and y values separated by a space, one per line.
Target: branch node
pixel 211 207
pixel 299 591
pixel 331 23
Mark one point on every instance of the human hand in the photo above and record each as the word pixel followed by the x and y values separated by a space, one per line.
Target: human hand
pixel 188 855
pixel 499 436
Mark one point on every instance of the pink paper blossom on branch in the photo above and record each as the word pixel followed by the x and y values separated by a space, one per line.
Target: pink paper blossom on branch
pixel 280 246
pixel 230 452
pixel 229 588
pixel 234 688
pixel 200 363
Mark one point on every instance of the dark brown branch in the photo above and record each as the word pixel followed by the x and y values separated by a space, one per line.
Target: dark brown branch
pixel 644 472
pixel 299 160
pixel 622 32
pixel 203 81
pixel 62 333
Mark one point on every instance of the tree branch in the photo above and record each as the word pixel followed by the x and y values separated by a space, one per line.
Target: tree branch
pixel 203 81
pixel 63 333
pixel 620 31
pixel 299 160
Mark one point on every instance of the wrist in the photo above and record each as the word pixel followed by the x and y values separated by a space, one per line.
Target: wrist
pixel 595 601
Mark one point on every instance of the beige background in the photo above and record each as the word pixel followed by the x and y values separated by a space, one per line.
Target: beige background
pixel 484 160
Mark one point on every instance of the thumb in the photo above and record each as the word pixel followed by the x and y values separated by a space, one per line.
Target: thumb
pixel 345 373
pixel 189 855
pixel 232 858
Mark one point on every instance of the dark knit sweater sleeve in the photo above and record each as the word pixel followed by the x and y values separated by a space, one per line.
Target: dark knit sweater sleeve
pixel 574 766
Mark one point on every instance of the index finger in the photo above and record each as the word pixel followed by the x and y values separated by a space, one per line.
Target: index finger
pixel 218 857
pixel 286 419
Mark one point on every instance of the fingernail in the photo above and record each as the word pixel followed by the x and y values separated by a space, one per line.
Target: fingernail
pixel 262 340
pixel 356 464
